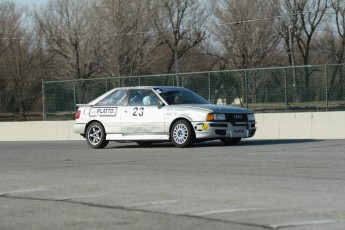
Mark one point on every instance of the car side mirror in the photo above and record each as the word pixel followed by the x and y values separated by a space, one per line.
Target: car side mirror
pixel 161 105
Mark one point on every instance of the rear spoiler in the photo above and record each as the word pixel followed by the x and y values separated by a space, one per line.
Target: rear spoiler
pixel 82 105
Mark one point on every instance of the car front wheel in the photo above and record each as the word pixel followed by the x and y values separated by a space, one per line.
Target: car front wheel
pixel 95 136
pixel 182 134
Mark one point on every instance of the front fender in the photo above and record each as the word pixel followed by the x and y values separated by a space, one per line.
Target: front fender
pixel 191 115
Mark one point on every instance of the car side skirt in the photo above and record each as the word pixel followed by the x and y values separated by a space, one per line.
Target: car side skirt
pixel 136 137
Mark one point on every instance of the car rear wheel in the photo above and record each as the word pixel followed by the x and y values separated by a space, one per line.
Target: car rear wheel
pixel 95 136
pixel 231 141
pixel 182 134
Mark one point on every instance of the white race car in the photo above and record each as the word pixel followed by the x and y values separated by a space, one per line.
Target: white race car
pixel 151 114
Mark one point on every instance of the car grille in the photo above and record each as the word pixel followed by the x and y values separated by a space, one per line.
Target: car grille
pixel 236 117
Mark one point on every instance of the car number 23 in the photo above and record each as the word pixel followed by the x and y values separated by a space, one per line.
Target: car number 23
pixel 138 111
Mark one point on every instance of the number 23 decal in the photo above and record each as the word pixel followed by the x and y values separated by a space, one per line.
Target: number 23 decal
pixel 138 111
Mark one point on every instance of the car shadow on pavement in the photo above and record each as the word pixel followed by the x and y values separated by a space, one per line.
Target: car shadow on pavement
pixel 257 142
pixel 278 142
pixel 216 143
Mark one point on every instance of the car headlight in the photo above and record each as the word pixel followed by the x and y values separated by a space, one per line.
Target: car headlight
pixel 215 117
pixel 251 117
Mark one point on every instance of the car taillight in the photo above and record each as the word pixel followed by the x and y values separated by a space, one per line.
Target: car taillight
pixel 77 114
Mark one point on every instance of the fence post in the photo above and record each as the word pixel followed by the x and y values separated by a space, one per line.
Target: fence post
pixel 326 84
pixel 43 102
pixel 286 100
pixel 246 86
pixel 74 96
pixel 209 86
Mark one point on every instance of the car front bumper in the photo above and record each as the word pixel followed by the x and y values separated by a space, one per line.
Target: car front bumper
pixel 218 130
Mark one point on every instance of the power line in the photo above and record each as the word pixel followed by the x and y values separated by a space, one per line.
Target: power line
pixel 157 32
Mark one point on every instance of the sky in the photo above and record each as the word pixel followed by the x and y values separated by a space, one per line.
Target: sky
pixel 30 3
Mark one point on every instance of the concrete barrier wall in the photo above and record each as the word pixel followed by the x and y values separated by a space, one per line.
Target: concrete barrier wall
pixel 38 131
pixel 318 125
pixel 322 125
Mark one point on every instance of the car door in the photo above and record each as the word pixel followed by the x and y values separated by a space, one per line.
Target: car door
pixel 108 111
pixel 143 113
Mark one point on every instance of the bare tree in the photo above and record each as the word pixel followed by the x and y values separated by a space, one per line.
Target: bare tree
pixel 304 18
pixel 335 47
pixel 246 31
pixel 336 40
pixel 72 35
pixel 17 58
pixel 181 26
pixel 132 45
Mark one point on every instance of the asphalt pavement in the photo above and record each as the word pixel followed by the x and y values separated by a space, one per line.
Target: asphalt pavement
pixel 258 184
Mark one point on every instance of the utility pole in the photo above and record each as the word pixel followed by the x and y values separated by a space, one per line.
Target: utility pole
pixel 292 62
pixel 176 67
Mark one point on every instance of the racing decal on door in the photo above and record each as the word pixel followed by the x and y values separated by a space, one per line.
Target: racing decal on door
pixel 138 111
pixel 100 112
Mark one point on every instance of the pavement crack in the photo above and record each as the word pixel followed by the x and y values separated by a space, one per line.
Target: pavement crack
pixel 305 223
pixel 134 209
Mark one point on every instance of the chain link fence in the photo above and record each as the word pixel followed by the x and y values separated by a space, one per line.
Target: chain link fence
pixel 266 90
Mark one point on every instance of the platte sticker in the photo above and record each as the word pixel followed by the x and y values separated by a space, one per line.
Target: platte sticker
pixel 95 112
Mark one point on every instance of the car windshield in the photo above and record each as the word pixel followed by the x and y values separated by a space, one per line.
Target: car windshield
pixel 176 97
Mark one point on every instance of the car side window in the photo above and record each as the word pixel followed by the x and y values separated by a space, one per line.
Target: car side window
pixel 151 99
pixel 116 98
pixel 142 97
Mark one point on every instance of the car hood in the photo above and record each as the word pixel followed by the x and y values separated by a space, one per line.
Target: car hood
pixel 217 108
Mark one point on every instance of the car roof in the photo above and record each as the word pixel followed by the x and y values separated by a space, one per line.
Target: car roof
pixel 152 87
pixel 162 88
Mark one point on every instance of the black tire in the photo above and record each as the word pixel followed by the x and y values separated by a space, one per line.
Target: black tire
pixel 182 134
pixel 95 136
pixel 144 143
pixel 231 141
